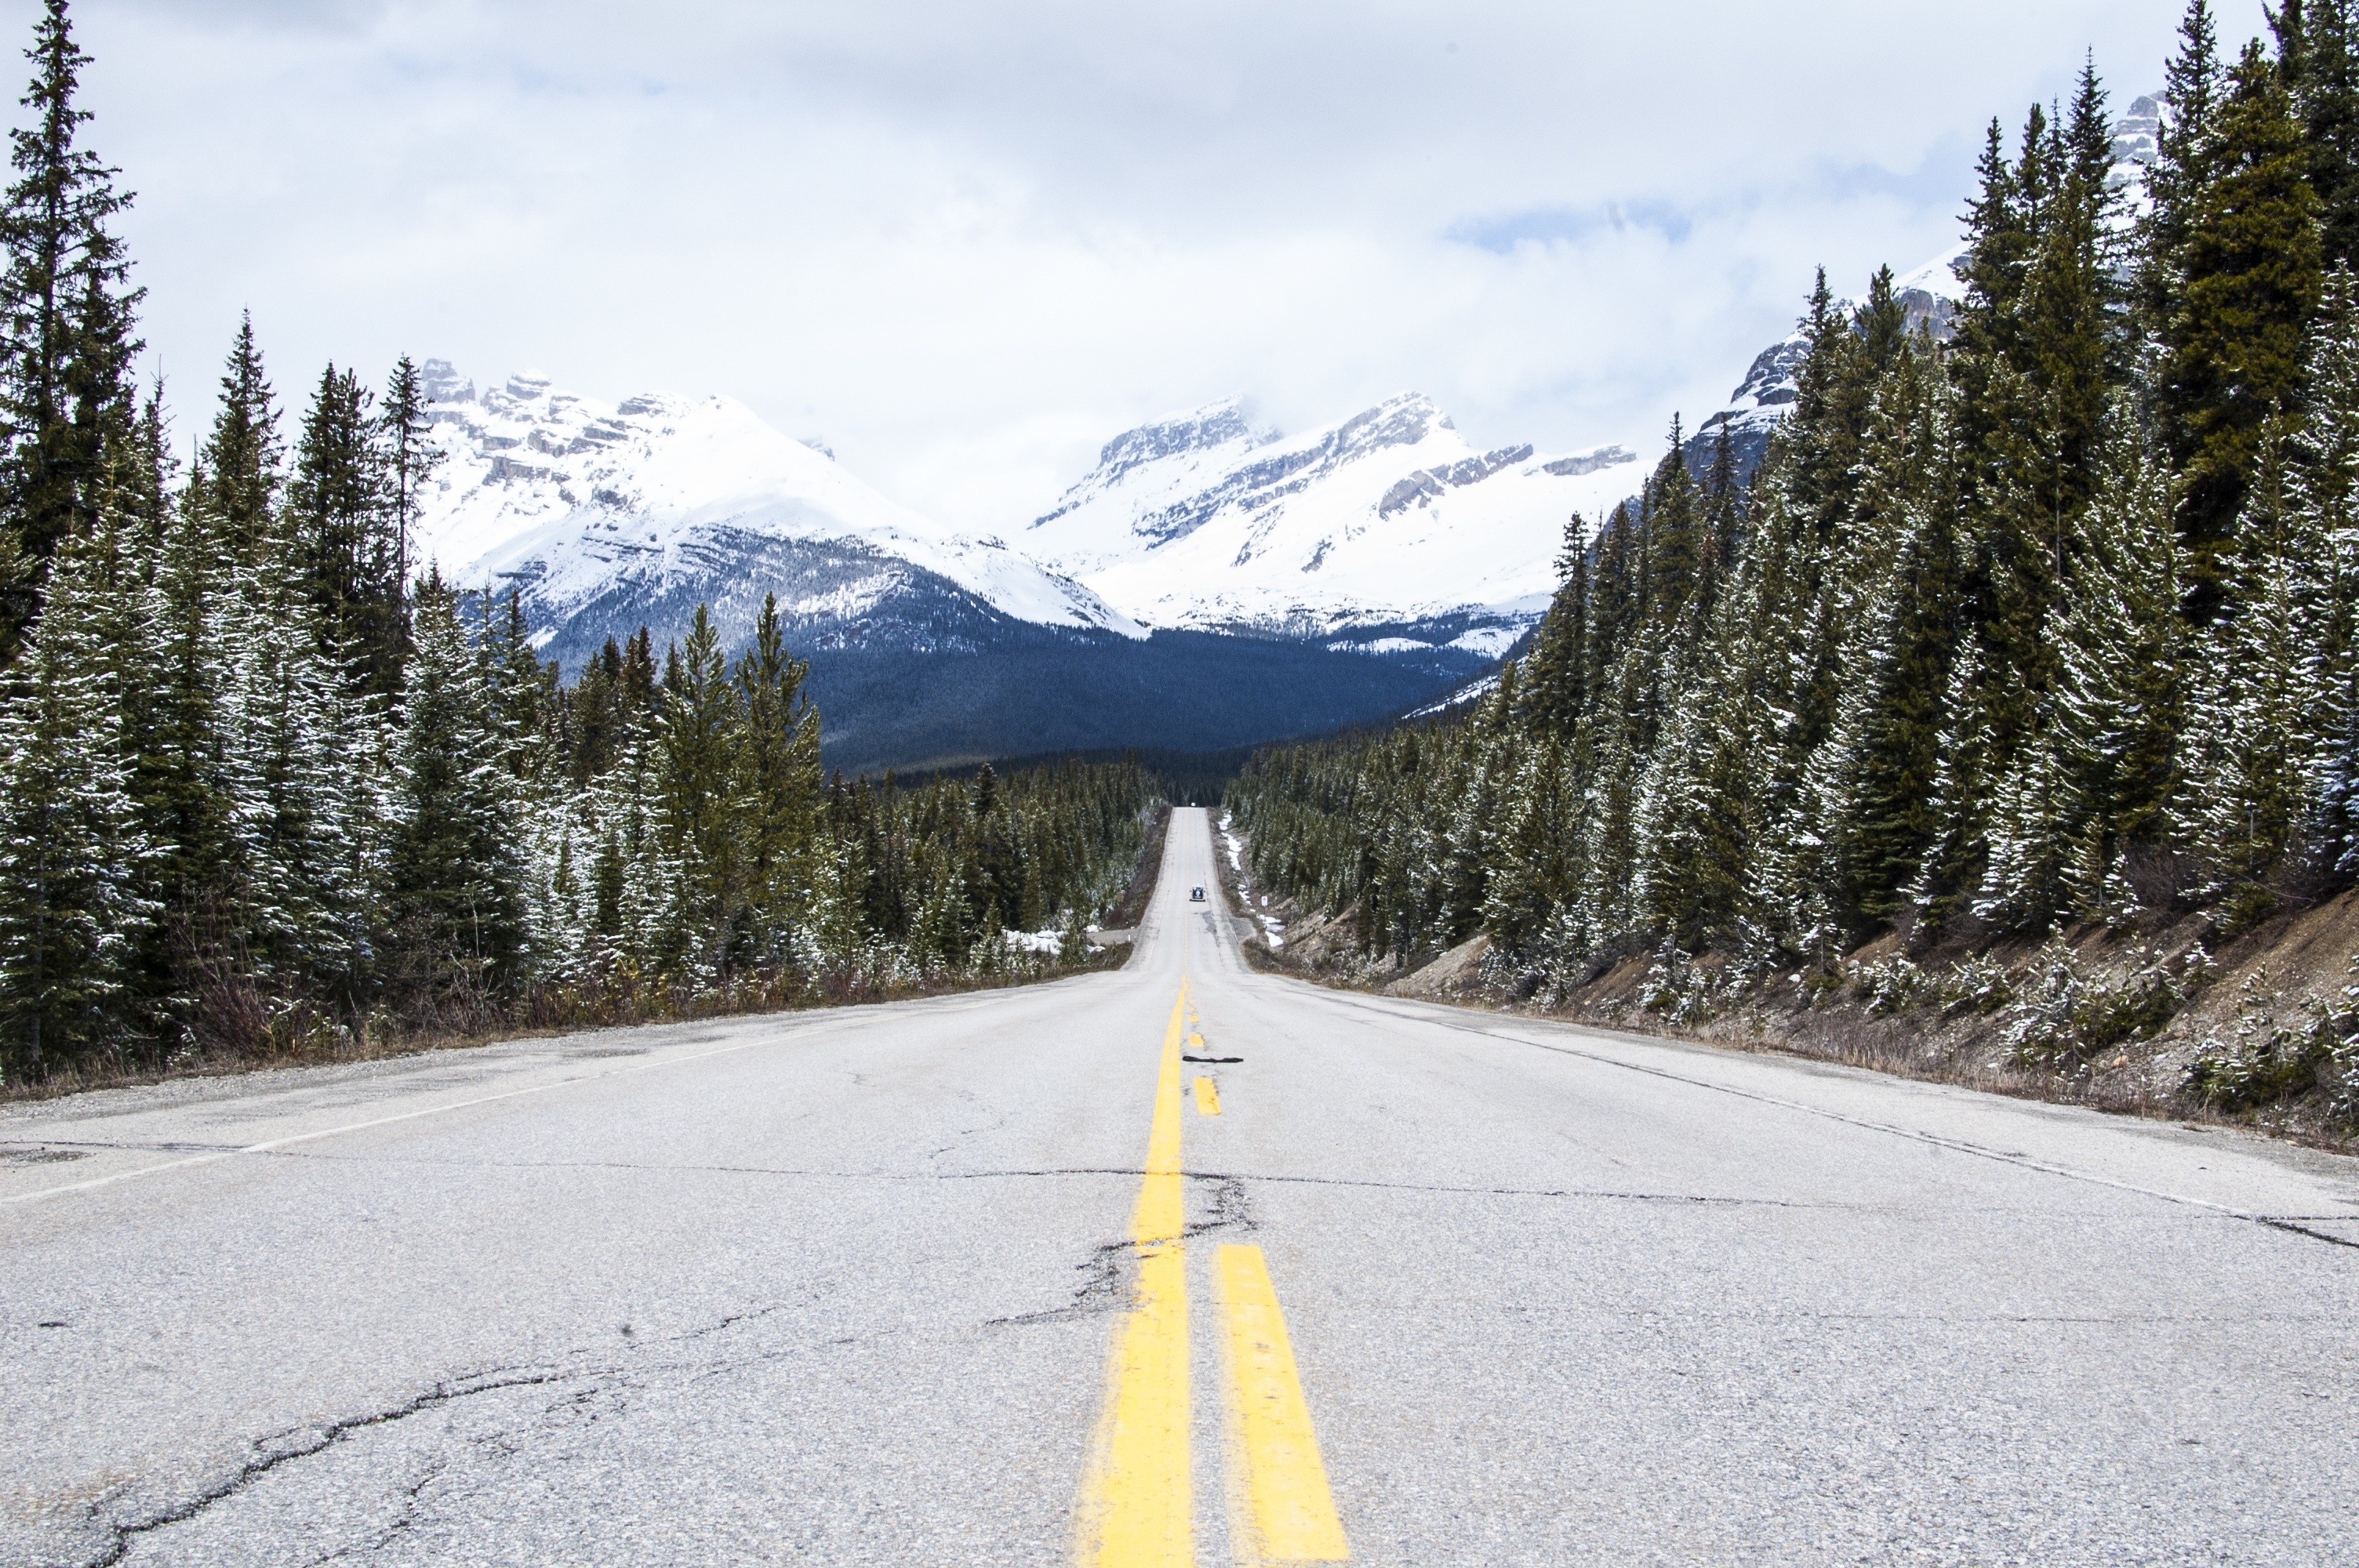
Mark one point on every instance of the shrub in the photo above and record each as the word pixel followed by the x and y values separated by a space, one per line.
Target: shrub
pixel 2267 1060
pixel 1977 985
pixel 1893 984
pixel 1673 987
pixel 2067 1014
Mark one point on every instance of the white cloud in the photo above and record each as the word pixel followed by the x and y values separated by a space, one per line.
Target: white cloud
pixel 967 243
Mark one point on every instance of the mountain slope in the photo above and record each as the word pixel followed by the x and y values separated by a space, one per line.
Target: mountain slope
pixel 606 517
pixel 1377 532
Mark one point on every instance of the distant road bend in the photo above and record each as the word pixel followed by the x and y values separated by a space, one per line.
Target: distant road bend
pixel 1180 1265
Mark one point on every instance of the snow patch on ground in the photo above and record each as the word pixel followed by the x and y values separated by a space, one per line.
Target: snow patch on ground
pixel 1272 928
pixel 1488 641
pixel 1482 685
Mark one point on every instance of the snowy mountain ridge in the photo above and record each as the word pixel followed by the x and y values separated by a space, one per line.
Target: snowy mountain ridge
pixel 1384 521
pixel 583 504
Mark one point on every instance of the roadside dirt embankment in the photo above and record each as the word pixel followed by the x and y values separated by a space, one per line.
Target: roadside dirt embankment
pixel 2170 1018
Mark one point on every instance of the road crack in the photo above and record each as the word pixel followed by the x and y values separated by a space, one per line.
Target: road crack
pixel 286 1446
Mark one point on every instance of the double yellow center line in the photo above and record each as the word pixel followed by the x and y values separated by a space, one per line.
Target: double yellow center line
pixel 1137 1501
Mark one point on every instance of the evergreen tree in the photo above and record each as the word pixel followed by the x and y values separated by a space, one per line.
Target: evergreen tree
pixel 343 527
pixel 67 330
pixel 71 913
pixel 1678 543
pixel 181 778
pixel 2257 698
pixel 297 771
pixel 781 776
pixel 2244 275
pixel 2193 84
pixel 2122 697
pixel 703 830
pixel 2320 64
pixel 242 456
pixel 410 456
pixel 454 870
pixel 2326 484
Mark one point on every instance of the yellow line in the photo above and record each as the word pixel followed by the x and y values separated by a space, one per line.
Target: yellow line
pixel 1208 1097
pixel 1138 1505
pixel 1157 1218
pixel 1288 1515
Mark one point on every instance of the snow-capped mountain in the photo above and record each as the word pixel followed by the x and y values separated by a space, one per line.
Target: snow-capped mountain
pixel 1384 532
pixel 1138 496
pixel 611 516
pixel 926 645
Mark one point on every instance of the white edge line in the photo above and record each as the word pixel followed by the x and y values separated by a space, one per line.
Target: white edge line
pixel 268 1145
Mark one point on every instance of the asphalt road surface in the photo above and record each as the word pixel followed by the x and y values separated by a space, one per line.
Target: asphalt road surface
pixel 992 1279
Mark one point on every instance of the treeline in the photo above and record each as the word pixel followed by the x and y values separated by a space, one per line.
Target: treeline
pixel 262 785
pixel 2054 620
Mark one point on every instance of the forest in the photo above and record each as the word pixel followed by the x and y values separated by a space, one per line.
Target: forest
pixel 2046 619
pixel 268 787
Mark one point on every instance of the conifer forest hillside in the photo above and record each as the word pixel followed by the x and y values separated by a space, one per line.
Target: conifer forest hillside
pixel 265 789
pixel 2020 684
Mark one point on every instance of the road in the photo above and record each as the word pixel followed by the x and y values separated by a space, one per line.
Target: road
pixel 984 1278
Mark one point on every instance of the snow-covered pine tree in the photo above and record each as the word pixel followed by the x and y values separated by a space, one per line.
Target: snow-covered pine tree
pixel 300 750
pixel 2031 833
pixel 1898 611
pixel 2120 690
pixel 782 780
pixel 2243 278
pixel 411 458
pixel 340 531
pixel 703 830
pixel 72 912
pixel 2256 702
pixel 454 872
pixel 2326 489
pixel 180 767
pixel 2319 57
pixel 1530 874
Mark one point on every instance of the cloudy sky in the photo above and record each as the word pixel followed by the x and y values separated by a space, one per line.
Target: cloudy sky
pixel 965 242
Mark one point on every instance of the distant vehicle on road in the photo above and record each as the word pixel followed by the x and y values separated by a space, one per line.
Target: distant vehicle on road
pixel 1195 895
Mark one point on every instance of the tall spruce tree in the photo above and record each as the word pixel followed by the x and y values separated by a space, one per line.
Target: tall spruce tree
pixel 2122 697
pixel 2326 482
pixel 341 526
pixel 2317 56
pixel 67 325
pixel 242 456
pixel 455 875
pixel 411 458
pixel 71 910
pixel 2243 277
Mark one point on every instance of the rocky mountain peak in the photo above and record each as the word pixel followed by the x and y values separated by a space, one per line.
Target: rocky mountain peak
pixel 1200 430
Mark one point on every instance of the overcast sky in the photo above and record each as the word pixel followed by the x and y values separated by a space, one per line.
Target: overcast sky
pixel 965 241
